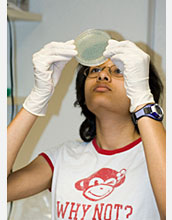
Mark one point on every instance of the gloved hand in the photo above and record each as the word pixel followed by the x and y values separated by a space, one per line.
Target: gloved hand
pixel 134 63
pixel 48 64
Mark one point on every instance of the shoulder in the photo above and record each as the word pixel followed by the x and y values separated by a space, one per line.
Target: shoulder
pixel 76 146
pixel 67 148
pixel 70 144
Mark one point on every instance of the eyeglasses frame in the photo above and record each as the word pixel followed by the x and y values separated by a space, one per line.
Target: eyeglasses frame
pixel 101 69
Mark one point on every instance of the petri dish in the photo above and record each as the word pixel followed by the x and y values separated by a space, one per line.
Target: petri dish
pixel 90 46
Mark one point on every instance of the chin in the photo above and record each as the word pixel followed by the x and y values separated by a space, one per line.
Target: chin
pixel 102 103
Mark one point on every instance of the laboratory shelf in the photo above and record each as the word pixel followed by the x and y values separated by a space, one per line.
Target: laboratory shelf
pixel 18 14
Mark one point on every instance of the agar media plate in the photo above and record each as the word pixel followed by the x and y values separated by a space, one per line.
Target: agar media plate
pixel 90 46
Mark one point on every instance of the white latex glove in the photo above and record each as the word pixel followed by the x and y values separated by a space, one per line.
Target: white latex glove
pixel 134 63
pixel 48 64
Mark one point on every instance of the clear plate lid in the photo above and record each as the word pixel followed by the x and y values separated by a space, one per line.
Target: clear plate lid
pixel 90 46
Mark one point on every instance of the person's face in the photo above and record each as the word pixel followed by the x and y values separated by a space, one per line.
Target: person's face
pixel 105 92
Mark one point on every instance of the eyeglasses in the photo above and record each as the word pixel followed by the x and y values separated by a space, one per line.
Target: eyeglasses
pixel 93 72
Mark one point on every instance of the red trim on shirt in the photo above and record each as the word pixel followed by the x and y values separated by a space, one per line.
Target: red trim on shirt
pixel 48 160
pixel 116 151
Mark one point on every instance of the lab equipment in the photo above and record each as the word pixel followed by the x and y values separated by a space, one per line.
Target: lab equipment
pixel 90 46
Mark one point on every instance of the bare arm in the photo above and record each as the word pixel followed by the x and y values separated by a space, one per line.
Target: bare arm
pixel 46 77
pixel 30 180
pixel 37 175
pixel 153 136
pixel 16 134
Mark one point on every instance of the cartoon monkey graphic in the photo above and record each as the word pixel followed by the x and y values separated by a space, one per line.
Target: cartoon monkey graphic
pixel 100 184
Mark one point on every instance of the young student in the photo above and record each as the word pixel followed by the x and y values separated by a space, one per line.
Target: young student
pixel 118 171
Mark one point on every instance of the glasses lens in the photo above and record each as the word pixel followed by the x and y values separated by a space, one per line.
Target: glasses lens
pixel 93 72
pixel 115 71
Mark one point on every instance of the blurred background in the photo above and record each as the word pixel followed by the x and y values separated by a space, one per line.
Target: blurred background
pixel 31 25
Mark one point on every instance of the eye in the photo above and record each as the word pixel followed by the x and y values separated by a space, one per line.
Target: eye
pixel 95 181
pixel 116 70
pixel 111 182
pixel 95 70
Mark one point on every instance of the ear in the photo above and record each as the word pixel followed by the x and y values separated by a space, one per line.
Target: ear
pixel 80 185
pixel 120 177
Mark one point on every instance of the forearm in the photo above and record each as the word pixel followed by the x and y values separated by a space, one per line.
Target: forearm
pixel 16 134
pixel 153 136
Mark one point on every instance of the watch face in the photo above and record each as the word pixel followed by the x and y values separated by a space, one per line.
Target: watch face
pixel 156 115
pixel 157 112
pixel 153 111
pixel 158 109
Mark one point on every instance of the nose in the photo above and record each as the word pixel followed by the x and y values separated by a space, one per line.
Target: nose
pixel 104 76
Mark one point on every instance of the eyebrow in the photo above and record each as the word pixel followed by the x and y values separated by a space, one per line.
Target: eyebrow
pixel 101 67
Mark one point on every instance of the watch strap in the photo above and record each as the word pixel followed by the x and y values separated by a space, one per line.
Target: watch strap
pixel 149 110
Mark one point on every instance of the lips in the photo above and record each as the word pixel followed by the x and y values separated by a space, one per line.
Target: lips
pixel 101 88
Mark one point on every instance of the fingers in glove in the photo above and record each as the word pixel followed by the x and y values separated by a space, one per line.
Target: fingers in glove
pixel 118 61
pixel 43 63
pixel 60 47
pixel 69 44
pixel 53 59
pixel 125 43
pixel 56 51
pixel 53 55
pixel 116 47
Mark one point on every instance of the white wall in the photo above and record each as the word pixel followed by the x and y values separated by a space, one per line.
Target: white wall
pixel 64 20
pixel 160 31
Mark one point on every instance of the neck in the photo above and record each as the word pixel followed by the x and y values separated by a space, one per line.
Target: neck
pixel 115 132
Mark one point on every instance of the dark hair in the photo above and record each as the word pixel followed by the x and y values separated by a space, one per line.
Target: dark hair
pixel 88 126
